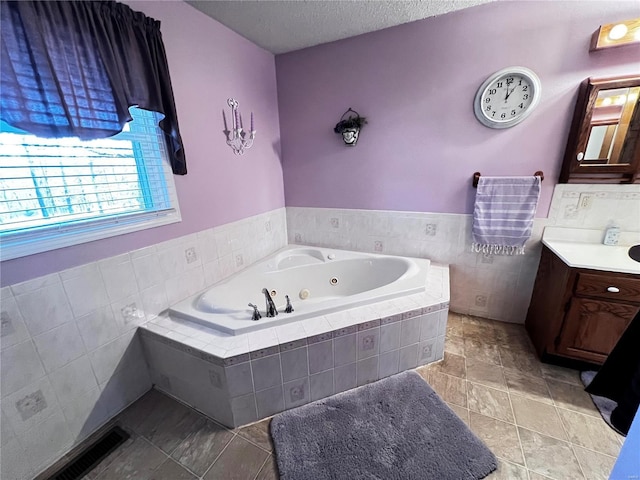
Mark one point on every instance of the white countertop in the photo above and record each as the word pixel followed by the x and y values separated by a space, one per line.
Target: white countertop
pixel 583 248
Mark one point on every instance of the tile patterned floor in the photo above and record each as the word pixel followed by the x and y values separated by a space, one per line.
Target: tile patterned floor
pixel 535 418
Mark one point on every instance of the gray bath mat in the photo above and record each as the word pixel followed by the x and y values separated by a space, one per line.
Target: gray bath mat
pixel 396 428
pixel 604 405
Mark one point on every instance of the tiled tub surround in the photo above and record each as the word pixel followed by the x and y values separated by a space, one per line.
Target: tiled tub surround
pixel 497 287
pixel 239 379
pixel 70 355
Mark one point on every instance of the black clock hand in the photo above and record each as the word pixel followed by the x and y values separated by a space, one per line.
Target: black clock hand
pixel 509 92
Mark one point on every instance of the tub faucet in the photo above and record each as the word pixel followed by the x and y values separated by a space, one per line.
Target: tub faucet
pixel 271 307
pixel 256 314
pixel 289 307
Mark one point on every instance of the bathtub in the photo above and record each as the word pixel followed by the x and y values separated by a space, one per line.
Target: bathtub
pixel 318 281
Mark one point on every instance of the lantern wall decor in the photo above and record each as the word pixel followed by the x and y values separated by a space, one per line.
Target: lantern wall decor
pixel 237 137
pixel 349 127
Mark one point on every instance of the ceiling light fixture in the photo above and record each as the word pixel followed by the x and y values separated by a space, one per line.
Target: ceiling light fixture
pixel 616 35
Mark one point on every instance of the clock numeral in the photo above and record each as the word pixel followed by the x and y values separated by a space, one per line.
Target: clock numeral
pixel 509 80
pixel 493 114
pixel 525 96
pixel 521 105
pixel 499 85
pixel 513 112
pixel 487 100
pixel 520 82
pixel 488 108
pixel 503 115
pixel 492 91
pixel 525 88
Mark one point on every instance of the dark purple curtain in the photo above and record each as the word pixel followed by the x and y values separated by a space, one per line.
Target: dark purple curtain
pixel 73 69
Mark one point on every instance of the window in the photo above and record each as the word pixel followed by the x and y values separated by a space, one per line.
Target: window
pixel 56 192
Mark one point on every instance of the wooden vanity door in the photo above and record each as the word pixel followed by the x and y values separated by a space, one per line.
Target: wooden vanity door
pixel 592 328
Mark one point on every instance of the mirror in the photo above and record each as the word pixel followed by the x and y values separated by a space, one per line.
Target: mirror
pixel 609 125
pixel 604 144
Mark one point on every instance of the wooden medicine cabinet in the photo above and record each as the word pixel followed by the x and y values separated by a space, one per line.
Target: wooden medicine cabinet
pixel 604 140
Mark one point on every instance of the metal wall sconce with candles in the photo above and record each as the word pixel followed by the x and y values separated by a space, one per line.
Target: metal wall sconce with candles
pixel 237 136
pixel 349 127
pixel 617 34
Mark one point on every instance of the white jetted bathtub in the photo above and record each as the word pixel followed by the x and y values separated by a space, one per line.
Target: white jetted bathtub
pixel 318 281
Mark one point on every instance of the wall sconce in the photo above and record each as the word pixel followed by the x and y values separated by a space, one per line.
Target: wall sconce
pixel 616 35
pixel 350 127
pixel 237 137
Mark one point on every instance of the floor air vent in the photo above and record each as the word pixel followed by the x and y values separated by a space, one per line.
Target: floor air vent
pixel 92 456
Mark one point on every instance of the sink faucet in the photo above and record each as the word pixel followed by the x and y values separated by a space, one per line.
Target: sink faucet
pixel 271 307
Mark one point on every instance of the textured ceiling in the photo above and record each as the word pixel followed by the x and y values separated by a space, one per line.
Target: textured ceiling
pixel 284 26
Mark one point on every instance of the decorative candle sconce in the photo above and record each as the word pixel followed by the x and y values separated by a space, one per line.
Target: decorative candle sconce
pixel 350 127
pixel 237 137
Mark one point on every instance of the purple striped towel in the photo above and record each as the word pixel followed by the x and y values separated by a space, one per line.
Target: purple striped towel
pixel 503 214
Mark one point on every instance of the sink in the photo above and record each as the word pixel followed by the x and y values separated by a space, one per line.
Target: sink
pixel 634 253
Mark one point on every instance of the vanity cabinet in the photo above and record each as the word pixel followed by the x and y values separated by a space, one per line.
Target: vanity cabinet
pixel 579 313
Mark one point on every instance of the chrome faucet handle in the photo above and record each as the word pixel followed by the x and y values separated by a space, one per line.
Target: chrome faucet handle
pixel 289 307
pixel 272 311
pixel 256 314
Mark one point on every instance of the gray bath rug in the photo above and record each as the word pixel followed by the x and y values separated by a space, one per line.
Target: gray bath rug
pixel 604 405
pixel 396 428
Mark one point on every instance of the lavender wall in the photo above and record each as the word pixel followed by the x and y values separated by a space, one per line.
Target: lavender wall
pixel 209 63
pixel 416 84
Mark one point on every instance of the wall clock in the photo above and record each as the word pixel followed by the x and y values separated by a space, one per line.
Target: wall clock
pixel 507 97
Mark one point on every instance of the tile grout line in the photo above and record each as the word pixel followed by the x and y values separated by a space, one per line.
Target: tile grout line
pixel 515 420
pixel 261 467
pixel 165 454
pixel 571 445
pixel 586 416
pixel 219 455
pixel 255 444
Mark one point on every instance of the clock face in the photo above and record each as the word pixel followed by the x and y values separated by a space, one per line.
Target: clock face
pixel 507 97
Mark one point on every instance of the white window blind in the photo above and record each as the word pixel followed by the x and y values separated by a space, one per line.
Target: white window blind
pixel 56 192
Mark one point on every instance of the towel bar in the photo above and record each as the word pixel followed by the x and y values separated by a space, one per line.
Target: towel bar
pixel 476 177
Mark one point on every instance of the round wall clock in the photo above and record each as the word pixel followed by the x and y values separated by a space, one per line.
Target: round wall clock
pixel 507 97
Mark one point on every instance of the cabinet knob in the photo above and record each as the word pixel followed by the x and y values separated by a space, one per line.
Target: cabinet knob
pixel 613 289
